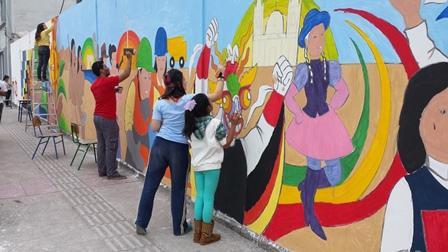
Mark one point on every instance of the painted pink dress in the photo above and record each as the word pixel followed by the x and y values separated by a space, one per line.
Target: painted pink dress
pixel 316 130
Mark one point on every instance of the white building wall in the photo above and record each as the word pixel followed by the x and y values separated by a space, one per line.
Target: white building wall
pixel 278 37
pixel 17 48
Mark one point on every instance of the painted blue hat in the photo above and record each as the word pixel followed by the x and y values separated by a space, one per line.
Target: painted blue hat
pixel 313 18
pixel 161 42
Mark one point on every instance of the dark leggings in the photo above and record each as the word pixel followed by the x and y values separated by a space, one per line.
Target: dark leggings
pixel 44 57
pixel 8 98
pixel 165 154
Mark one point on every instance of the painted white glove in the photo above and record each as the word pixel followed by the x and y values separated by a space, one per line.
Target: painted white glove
pixel 283 75
pixel 212 33
pixel 232 54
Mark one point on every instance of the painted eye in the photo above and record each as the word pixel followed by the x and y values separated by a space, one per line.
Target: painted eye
pixel 245 98
pixel 443 111
pixel 227 103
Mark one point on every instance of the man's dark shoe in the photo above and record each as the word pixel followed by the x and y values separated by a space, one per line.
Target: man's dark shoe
pixel 116 177
pixel 102 175
pixel 140 230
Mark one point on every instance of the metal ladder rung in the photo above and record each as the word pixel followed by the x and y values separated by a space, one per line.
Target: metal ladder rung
pixel 45 114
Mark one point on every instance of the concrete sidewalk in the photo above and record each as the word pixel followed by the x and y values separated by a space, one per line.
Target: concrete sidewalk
pixel 46 205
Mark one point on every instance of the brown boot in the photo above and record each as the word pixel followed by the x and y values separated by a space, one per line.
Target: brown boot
pixel 207 235
pixel 197 231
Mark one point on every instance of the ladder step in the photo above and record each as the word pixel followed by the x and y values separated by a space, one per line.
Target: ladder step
pixel 38 90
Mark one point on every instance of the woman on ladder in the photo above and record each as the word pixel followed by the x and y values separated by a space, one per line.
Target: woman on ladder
pixel 43 42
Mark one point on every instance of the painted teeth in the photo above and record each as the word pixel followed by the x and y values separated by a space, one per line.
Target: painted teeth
pixel 238 128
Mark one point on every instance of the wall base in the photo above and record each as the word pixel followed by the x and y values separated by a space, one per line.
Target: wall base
pixel 260 240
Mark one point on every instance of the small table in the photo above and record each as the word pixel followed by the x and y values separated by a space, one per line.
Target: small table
pixel 23 104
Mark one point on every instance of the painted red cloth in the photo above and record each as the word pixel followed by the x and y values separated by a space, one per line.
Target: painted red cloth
pixel 203 63
pixel 231 68
pixel 105 99
pixel 435 224
pixel 273 108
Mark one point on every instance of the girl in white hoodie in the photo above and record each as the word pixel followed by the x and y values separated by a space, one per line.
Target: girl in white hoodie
pixel 208 138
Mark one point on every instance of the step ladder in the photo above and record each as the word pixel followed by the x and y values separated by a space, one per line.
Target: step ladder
pixel 42 105
pixel 43 102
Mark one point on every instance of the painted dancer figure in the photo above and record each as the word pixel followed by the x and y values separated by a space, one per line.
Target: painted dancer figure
pixel 316 131
pixel 417 211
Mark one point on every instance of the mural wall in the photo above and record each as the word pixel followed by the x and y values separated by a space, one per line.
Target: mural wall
pixel 325 87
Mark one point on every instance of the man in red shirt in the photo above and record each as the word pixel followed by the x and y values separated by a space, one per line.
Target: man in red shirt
pixel 105 116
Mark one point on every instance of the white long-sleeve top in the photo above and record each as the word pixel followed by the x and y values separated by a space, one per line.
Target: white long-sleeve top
pixel 3 88
pixel 398 229
pixel 422 47
pixel 207 153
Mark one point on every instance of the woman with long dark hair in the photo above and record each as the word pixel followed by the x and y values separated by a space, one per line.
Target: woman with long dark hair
pixel 417 210
pixel 208 138
pixel 42 38
pixel 170 149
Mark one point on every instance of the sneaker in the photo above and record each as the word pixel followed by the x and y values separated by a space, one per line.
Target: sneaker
pixel 116 177
pixel 139 230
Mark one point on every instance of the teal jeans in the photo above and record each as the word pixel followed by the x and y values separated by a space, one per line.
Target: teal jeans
pixel 206 184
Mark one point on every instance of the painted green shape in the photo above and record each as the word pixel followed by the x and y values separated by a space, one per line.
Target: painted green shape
pixel 63 125
pixel 144 55
pixel 43 106
pixel 61 68
pixel 293 174
pixel 61 88
pixel 359 139
pixel 87 50
pixel 233 85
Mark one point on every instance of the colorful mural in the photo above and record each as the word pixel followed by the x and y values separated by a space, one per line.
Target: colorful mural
pixel 325 89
